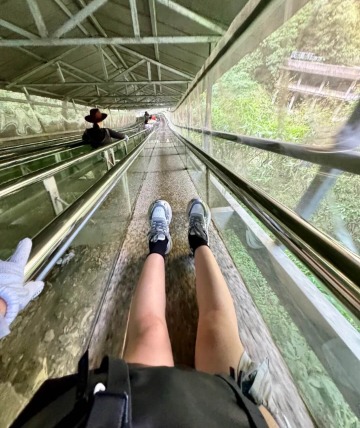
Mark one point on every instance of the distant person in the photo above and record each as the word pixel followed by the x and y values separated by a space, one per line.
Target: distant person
pixel 146 116
pixel 97 136
pixel 147 125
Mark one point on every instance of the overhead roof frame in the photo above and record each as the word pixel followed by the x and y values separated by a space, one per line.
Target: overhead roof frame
pixel 109 51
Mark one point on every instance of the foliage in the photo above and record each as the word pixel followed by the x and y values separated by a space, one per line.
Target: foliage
pixel 317 388
pixel 238 94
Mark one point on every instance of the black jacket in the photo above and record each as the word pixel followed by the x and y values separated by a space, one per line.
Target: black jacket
pixel 98 137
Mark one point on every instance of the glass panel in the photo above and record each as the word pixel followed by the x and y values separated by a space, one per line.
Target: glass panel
pixel 60 323
pixel 317 338
pixel 296 80
pixel 23 214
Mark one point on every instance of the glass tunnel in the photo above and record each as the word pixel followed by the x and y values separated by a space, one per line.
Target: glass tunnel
pixel 259 117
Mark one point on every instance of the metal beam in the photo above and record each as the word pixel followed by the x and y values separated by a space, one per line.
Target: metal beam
pixel 38 68
pixel 39 22
pixel 102 83
pixel 82 41
pixel 149 70
pixel 60 73
pixel 134 17
pixel 128 70
pixel 193 16
pixel 165 67
pixel 70 73
pixel 78 17
pixel 70 15
pixel 103 64
pixel 18 30
pixel 153 20
pixel 85 97
pixel 108 57
pixel 85 73
pixel 99 28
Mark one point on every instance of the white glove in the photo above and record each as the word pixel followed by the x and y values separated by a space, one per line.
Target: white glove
pixel 13 291
pixel 126 138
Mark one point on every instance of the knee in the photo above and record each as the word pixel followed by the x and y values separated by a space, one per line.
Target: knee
pixel 150 327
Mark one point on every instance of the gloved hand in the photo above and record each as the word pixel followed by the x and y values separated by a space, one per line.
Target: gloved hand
pixel 126 138
pixel 13 291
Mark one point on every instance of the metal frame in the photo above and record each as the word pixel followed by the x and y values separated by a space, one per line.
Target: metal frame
pixel 41 148
pixel 37 176
pixel 100 84
pixel 39 22
pixel 80 16
pixel 333 264
pixel 345 161
pixel 52 242
pixel 103 41
pixel 193 16
pixel 104 45
pixel 262 9
pixel 134 17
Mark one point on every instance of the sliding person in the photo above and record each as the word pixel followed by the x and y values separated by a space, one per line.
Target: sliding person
pixel 145 388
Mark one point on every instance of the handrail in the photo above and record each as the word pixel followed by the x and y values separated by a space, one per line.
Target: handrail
pixel 20 183
pixel 328 260
pixel 16 160
pixel 345 161
pixel 50 143
pixel 53 240
pixel 32 156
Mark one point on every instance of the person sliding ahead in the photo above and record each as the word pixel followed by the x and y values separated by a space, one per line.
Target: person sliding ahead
pixel 97 136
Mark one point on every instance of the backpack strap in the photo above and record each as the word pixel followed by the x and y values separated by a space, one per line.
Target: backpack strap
pixel 256 419
pixel 112 404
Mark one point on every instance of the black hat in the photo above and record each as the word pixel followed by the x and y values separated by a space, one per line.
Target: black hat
pixel 95 116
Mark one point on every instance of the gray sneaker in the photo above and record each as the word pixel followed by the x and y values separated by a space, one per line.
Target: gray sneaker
pixel 160 215
pixel 199 220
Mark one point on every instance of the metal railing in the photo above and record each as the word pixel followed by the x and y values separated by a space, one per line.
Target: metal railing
pixel 51 243
pixel 338 268
pixel 11 151
pixel 37 176
pixel 345 161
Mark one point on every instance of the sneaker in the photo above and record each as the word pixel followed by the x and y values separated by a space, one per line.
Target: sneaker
pixel 160 215
pixel 199 220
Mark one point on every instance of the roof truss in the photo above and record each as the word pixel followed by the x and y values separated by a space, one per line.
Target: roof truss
pixel 116 60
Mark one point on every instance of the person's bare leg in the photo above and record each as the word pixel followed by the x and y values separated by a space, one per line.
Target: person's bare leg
pixel 218 346
pixel 147 336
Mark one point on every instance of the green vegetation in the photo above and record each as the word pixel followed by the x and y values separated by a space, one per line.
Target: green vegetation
pixel 248 100
pixel 319 392
pixel 253 98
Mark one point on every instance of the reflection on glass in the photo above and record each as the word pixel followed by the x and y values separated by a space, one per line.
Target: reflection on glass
pixel 60 322
pixel 317 336
pixel 299 85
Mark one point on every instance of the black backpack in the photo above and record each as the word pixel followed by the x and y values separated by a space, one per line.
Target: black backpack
pixel 121 395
